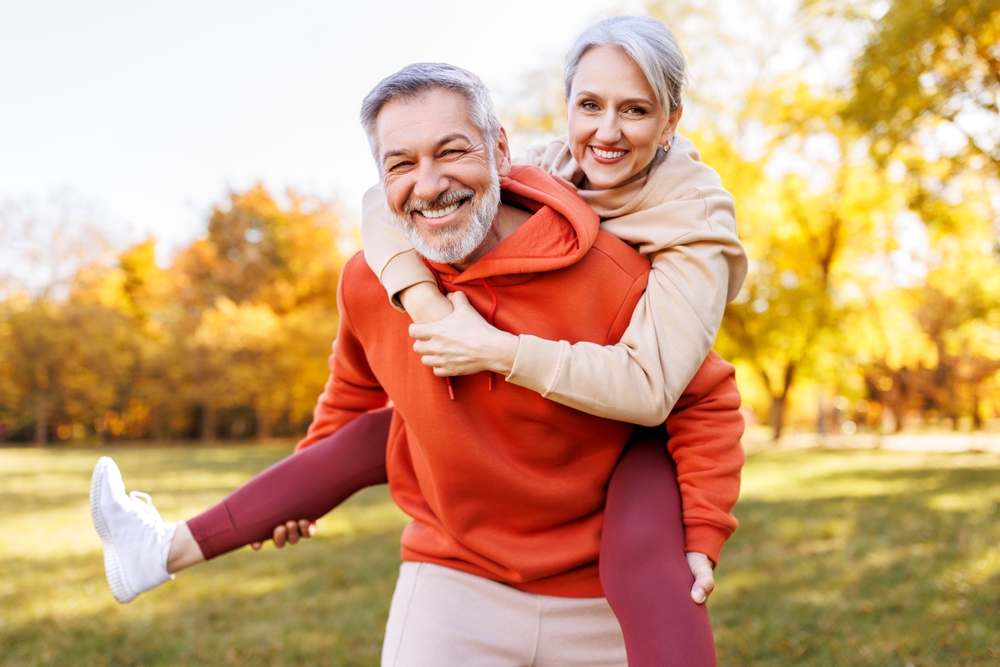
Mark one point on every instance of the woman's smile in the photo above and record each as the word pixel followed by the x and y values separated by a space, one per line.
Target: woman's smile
pixel 608 154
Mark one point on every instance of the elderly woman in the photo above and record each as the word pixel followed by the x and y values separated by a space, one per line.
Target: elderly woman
pixel 662 525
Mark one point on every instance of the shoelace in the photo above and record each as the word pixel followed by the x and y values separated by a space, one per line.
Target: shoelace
pixel 146 510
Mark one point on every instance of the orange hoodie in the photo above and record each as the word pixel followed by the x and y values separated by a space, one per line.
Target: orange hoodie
pixel 500 482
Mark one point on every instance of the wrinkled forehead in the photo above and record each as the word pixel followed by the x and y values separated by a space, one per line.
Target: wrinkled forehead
pixel 421 122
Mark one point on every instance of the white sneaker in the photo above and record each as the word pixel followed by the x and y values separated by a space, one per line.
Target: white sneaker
pixel 136 540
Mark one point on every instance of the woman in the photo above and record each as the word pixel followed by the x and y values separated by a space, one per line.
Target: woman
pixel 618 122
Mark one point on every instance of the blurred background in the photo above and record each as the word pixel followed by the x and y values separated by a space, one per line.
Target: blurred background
pixel 180 186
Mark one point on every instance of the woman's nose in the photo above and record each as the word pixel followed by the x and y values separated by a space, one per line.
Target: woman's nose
pixel 609 130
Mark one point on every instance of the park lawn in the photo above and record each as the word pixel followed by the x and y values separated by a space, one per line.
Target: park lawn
pixel 842 558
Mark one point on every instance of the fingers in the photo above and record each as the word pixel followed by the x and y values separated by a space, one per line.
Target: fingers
pixel 256 545
pixel 704 584
pixel 293 531
pixel 290 532
pixel 421 331
pixel 459 300
pixel 704 577
pixel 423 346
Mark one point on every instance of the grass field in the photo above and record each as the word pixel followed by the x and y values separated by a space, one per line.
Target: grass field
pixel 842 558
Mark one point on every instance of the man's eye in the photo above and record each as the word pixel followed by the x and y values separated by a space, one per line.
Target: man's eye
pixel 398 166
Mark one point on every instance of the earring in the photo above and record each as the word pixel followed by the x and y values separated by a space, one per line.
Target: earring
pixel 666 149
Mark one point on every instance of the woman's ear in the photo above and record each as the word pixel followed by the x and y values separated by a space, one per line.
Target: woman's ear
pixel 671 127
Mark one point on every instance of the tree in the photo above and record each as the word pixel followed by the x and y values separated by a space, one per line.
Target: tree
pixel 45 245
pixel 262 267
pixel 929 77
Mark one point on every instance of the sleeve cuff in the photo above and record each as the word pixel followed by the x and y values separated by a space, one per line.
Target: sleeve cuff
pixel 536 363
pixel 404 270
pixel 706 539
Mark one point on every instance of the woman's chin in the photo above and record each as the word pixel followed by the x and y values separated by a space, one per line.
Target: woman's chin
pixel 603 179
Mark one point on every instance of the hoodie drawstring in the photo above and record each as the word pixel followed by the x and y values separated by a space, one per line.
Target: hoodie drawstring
pixel 489 318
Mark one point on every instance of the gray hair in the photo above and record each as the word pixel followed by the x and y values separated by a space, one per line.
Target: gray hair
pixel 418 78
pixel 646 41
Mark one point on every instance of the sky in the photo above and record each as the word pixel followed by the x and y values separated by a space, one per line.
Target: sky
pixel 150 112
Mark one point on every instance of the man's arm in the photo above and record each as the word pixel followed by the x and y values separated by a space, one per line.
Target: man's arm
pixel 705 429
pixel 350 391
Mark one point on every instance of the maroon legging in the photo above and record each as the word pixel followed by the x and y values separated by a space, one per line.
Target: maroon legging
pixel 643 569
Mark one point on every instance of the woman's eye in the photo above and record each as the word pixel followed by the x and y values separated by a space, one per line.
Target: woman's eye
pixel 589 106
pixel 635 111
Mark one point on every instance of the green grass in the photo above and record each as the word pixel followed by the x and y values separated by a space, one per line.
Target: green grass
pixel 842 558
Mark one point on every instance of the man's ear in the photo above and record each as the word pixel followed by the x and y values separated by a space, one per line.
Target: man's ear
pixel 502 153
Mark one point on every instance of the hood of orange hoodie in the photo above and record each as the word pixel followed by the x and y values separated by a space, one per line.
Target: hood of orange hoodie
pixel 561 231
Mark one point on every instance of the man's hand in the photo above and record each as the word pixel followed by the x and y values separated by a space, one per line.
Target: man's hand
pixel 464 343
pixel 290 533
pixel 704 578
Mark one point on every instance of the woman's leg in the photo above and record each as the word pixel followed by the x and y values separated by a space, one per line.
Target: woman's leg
pixel 643 568
pixel 141 551
pixel 306 485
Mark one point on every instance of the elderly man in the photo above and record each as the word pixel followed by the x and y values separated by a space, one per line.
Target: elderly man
pixel 505 488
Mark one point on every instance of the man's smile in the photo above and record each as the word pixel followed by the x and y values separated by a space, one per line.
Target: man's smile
pixel 433 214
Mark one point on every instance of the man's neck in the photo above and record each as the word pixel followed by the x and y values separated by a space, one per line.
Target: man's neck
pixel 507 221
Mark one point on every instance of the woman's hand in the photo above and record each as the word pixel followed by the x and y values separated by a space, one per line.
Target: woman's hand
pixel 704 579
pixel 289 533
pixel 464 343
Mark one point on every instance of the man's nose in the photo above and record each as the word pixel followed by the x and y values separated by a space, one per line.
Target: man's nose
pixel 431 182
pixel 609 129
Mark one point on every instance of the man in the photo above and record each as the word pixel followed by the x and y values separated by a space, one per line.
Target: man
pixel 505 488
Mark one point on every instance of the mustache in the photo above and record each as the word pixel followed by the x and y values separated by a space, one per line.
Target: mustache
pixel 445 199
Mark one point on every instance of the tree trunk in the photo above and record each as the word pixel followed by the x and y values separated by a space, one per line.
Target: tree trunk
pixel 263 423
pixel 41 420
pixel 155 425
pixel 899 413
pixel 776 418
pixel 208 423
pixel 977 421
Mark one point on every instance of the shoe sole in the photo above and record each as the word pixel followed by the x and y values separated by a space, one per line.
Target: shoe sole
pixel 113 570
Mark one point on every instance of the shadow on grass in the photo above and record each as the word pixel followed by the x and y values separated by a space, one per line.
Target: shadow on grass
pixel 870 580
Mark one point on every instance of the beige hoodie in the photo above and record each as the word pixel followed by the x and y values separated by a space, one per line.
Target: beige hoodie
pixel 677 214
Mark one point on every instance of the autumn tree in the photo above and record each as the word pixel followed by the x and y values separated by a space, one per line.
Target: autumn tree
pixel 929 76
pixel 262 266
pixel 44 363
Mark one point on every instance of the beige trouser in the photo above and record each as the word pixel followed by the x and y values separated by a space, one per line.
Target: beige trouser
pixel 441 617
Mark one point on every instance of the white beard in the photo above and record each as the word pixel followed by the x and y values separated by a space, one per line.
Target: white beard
pixel 448 245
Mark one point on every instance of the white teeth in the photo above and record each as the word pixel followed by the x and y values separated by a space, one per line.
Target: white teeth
pixel 441 212
pixel 607 155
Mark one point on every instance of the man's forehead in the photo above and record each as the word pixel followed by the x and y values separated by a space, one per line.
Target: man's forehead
pixel 424 120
